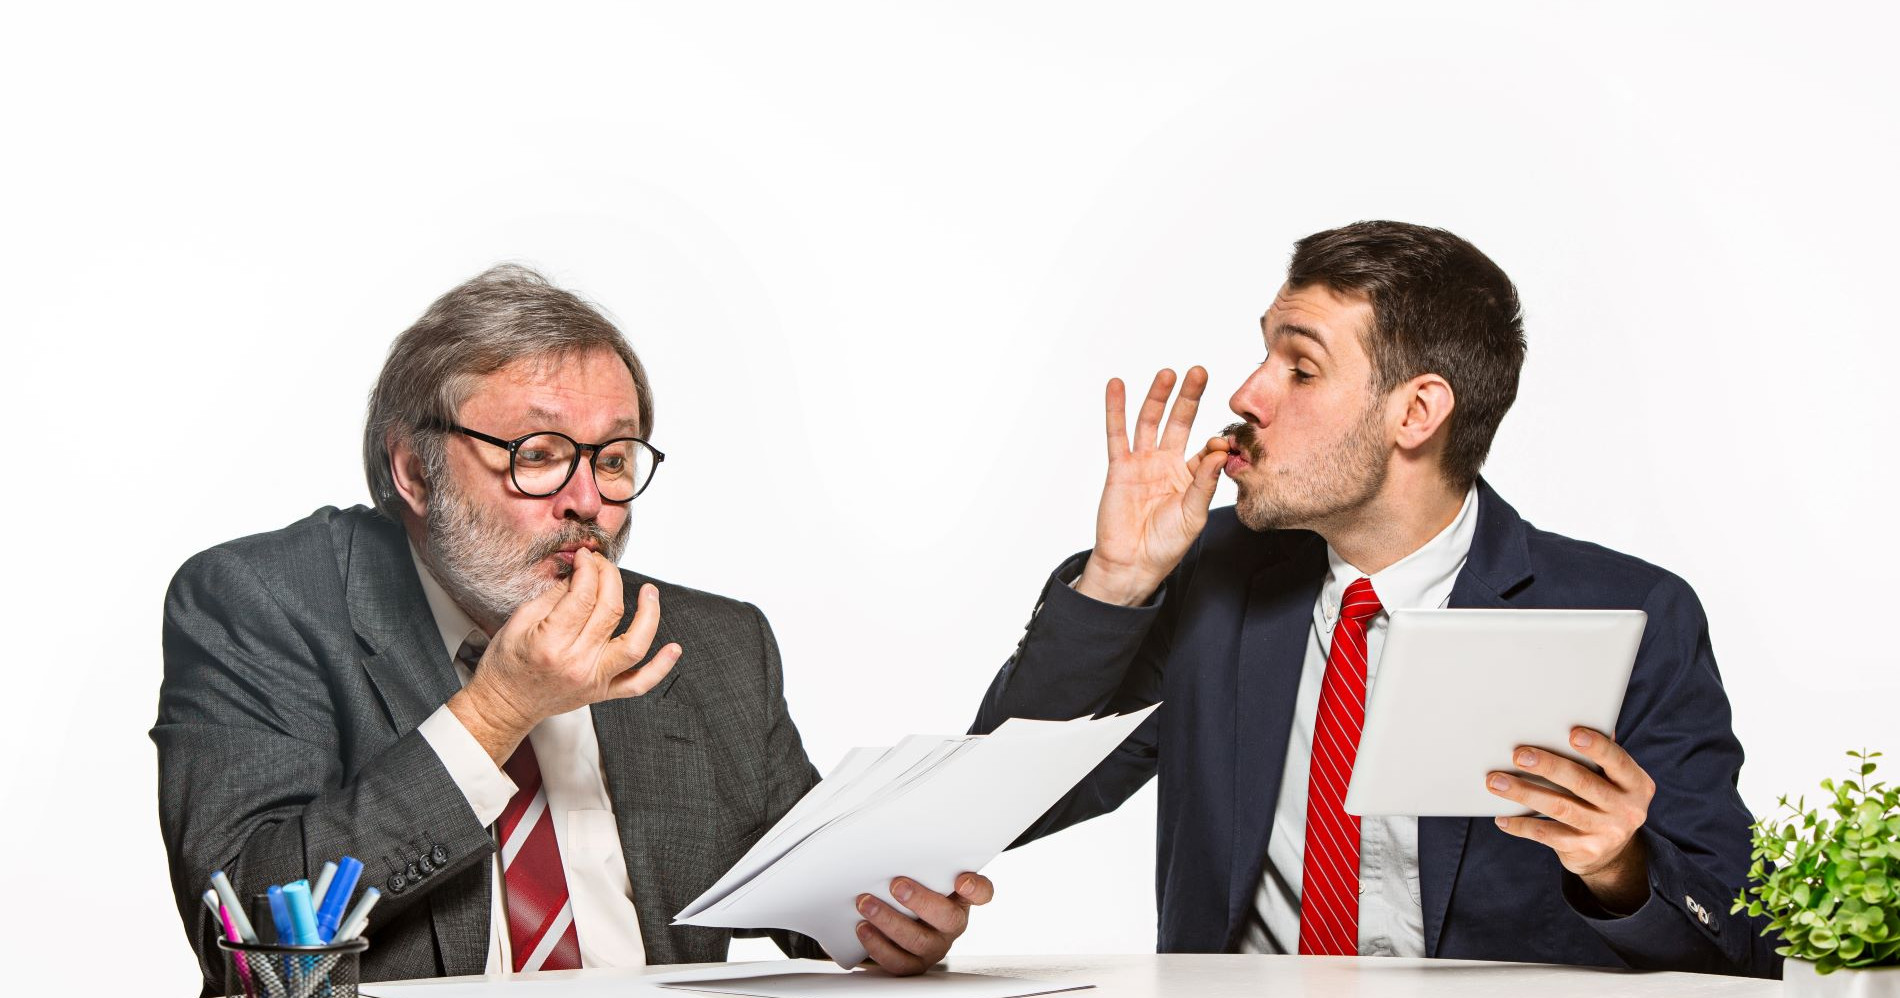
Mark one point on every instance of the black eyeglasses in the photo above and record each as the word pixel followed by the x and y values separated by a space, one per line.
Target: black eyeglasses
pixel 541 463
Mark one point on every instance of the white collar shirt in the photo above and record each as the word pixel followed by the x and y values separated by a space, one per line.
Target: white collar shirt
pixel 568 752
pixel 1391 917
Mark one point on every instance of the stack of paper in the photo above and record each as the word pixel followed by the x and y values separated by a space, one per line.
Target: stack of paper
pixel 928 808
pixel 781 979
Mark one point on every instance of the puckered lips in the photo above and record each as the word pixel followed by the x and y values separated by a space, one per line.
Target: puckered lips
pixel 566 554
pixel 1238 459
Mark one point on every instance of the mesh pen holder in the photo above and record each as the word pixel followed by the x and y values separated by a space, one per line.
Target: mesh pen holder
pixel 260 970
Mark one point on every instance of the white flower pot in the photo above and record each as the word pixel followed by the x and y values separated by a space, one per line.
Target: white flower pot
pixel 1799 980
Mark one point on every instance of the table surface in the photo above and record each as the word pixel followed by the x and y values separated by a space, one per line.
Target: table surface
pixel 1218 976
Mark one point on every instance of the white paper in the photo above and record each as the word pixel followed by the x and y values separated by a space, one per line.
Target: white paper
pixel 928 809
pixel 871 984
pixel 786 978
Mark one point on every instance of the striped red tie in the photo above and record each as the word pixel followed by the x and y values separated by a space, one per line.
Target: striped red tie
pixel 1329 890
pixel 540 914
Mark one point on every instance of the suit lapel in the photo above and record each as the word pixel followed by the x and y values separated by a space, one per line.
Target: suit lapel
pixel 406 663
pixel 1272 652
pixel 1497 567
pixel 658 772
pixel 403 652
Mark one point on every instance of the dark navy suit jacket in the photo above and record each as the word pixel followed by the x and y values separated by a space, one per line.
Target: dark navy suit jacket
pixel 1222 645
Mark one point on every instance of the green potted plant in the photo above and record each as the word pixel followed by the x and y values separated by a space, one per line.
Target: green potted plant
pixel 1828 881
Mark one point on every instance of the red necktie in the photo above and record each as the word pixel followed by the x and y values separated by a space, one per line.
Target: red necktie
pixel 1329 891
pixel 540 915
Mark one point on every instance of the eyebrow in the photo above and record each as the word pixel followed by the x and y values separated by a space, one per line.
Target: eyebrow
pixel 1293 329
pixel 627 423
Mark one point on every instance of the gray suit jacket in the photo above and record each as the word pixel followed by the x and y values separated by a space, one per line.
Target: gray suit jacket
pixel 298 664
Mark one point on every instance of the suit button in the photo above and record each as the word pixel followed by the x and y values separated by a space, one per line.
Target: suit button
pixel 426 864
pixel 440 854
pixel 397 883
pixel 414 873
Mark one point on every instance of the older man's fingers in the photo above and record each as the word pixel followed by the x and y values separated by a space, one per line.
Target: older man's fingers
pixel 906 932
pixel 638 682
pixel 609 600
pixel 576 605
pixel 948 915
pixel 888 955
pixel 975 888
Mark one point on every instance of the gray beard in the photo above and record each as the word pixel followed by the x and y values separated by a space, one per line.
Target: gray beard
pixel 489 571
pixel 1334 490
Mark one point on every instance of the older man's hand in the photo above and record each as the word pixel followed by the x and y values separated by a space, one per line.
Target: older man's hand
pixel 903 945
pixel 558 653
pixel 1594 822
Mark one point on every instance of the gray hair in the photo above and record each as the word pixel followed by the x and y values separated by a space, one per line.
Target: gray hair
pixel 504 314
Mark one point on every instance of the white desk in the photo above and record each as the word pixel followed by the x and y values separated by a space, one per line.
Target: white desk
pixel 1185 976
pixel 1172 975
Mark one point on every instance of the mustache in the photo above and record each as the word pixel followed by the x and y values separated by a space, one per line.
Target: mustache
pixel 574 532
pixel 1243 436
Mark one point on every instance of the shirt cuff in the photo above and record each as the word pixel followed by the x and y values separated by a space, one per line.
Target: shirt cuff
pixel 487 789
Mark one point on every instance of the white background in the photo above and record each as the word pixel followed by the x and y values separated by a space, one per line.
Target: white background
pixel 880 259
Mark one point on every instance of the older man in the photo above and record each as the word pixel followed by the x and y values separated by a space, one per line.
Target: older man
pixel 459 688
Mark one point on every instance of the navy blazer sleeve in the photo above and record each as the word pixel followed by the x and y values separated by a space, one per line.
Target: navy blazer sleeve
pixel 1082 657
pixel 1675 722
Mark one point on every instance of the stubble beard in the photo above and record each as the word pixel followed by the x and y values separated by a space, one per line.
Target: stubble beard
pixel 1347 478
pixel 491 571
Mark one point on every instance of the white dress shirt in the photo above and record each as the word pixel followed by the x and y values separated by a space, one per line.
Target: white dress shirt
pixel 568 753
pixel 1391 919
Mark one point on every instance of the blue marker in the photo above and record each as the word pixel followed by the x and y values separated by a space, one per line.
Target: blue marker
pixel 303 921
pixel 336 901
pixel 280 916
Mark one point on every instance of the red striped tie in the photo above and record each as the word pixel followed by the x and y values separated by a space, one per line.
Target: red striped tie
pixel 1329 890
pixel 540 915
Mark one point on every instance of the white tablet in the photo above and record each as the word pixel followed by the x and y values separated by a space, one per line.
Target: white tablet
pixel 1458 690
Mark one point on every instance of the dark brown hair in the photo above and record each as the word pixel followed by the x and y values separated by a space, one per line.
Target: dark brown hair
pixel 501 315
pixel 1438 306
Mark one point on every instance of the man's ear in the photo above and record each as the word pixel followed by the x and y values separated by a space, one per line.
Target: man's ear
pixel 1428 401
pixel 405 468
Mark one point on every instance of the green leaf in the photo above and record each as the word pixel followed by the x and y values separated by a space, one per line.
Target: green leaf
pixel 1827 880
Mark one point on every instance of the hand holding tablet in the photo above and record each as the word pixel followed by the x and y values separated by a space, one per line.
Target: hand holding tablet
pixel 1458 691
pixel 1507 713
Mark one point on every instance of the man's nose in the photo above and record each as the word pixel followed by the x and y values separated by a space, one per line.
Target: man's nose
pixel 580 497
pixel 1250 401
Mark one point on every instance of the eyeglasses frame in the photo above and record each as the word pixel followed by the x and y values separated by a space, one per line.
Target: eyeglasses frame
pixel 572 466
